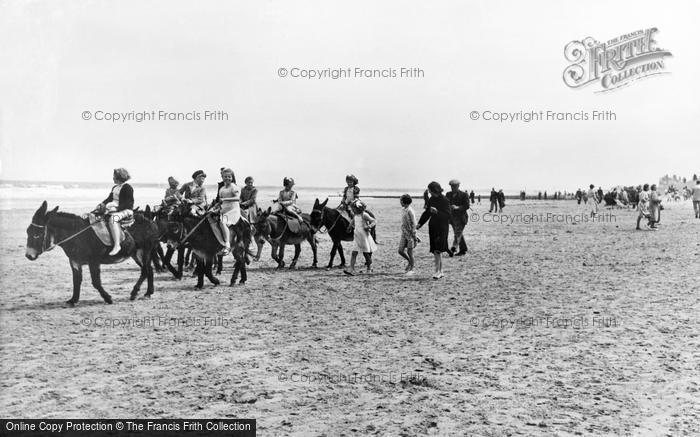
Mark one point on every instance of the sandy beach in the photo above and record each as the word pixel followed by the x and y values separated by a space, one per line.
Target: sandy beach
pixel 545 328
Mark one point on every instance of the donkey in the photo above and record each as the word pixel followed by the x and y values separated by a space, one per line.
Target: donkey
pixel 81 245
pixel 162 220
pixel 337 227
pixel 276 230
pixel 205 245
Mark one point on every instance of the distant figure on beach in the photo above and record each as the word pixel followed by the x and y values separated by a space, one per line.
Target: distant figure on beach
pixel 654 206
pixel 539 195
pixel 363 241
pixel 493 198
pixel 471 196
pixel 459 204
pixel 592 195
pixel 479 199
pixel 408 239
pixel 438 213
pixel 522 195
pixel 643 207
pixel 696 199
pixel 545 195
pixel 501 198
pixel 600 194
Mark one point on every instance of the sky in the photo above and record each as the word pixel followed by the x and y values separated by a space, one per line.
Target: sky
pixel 60 59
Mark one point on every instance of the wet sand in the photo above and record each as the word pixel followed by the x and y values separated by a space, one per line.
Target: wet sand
pixel 543 328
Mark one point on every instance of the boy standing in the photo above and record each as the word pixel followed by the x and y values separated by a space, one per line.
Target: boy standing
pixel 408 233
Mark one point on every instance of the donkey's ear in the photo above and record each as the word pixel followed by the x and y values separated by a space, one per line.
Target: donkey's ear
pixel 148 208
pixel 42 208
pixel 269 210
pixel 316 203
pixel 324 203
pixel 55 209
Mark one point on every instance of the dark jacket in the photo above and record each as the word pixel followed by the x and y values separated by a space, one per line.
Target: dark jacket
pixel 460 199
pixel 126 198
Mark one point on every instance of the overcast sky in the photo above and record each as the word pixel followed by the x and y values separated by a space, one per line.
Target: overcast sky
pixel 61 58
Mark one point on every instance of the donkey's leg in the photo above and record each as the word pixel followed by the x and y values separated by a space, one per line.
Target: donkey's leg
pixel 334 249
pixel 312 242
pixel 180 262
pixel 141 259
pixel 219 264
pixel 149 278
pixel 77 270
pixel 234 275
pixel 244 273
pixel 280 256
pixel 166 258
pixel 199 270
pixel 97 282
pixel 297 251
pixel 208 266
pixel 342 255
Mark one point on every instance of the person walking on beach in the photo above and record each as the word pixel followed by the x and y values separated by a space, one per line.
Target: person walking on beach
pixel 579 196
pixel 363 241
pixel 592 195
pixel 438 213
pixel 459 204
pixel 493 198
pixel 408 238
pixel 654 207
pixel 501 198
pixel 471 196
pixel 696 199
pixel 643 206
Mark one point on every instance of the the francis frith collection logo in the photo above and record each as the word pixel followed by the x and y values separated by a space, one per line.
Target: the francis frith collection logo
pixel 616 62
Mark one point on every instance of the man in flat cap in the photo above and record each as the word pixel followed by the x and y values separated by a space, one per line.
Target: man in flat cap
pixel 195 194
pixel 459 204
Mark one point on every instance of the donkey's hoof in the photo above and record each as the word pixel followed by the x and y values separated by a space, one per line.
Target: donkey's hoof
pixel 216 281
pixel 147 295
pixel 71 303
pixel 314 266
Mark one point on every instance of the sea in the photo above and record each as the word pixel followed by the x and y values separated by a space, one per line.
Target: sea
pixel 83 196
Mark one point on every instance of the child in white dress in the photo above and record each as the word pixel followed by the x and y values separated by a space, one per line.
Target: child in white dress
pixel 363 240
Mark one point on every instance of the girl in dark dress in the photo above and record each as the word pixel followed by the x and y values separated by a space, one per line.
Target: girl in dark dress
pixel 438 212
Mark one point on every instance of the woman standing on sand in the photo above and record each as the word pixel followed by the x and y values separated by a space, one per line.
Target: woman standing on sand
pixel 438 213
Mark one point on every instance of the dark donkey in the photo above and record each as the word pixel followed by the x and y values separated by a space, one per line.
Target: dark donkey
pixel 82 246
pixel 197 232
pixel 162 220
pixel 337 227
pixel 275 230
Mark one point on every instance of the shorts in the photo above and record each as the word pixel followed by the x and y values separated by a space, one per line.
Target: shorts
pixel 406 243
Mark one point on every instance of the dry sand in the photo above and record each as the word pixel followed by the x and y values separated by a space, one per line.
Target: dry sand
pixel 543 329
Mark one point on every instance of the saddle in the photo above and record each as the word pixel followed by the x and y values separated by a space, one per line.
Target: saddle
pixel 294 225
pixel 100 228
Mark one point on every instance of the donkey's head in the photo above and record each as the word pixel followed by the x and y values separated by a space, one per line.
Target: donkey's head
pixel 38 236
